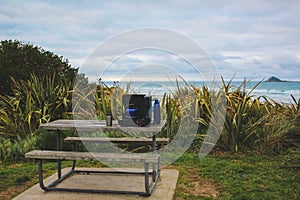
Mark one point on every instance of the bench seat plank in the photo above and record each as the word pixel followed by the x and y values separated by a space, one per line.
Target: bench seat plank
pixel 114 157
pixel 127 140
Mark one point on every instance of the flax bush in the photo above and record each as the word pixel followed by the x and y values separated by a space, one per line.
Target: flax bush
pixel 34 102
pixel 251 123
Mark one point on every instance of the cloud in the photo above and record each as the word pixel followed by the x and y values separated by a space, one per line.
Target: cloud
pixel 239 35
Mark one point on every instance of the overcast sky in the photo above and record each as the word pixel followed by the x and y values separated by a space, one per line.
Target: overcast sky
pixel 252 39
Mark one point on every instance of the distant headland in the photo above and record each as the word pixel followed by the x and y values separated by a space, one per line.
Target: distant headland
pixel 274 79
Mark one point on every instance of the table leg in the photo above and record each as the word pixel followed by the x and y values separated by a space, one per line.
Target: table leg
pixel 58 161
pixel 154 151
pixel 146 167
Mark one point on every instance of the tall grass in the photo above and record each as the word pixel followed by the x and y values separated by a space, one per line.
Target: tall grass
pixel 251 123
pixel 283 128
pixel 108 100
pixel 34 102
pixel 91 101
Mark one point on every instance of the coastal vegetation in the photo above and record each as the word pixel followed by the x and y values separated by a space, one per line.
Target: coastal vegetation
pixel 258 134
pixel 19 60
pixel 256 156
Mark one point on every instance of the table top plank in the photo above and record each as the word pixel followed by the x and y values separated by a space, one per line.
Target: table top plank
pixel 96 125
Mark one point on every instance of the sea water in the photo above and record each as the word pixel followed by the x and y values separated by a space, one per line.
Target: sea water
pixel 278 91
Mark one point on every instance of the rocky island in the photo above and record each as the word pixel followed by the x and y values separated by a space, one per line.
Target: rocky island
pixel 274 79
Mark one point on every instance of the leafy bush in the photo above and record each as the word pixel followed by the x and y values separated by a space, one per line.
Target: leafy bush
pixel 14 150
pixel 257 124
pixel 282 129
pixel 34 102
pixel 92 101
pixel 250 123
pixel 19 60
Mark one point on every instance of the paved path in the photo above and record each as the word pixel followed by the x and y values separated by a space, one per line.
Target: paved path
pixel 164 189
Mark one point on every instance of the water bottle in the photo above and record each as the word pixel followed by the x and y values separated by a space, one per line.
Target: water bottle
pixel 152 111
pixel 156 112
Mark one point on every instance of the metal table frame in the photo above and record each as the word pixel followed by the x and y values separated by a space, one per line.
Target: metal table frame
pixel 96 125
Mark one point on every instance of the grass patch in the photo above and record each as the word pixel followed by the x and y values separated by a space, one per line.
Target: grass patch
pixel 18 177
pixel 239 177
pixel 22 179
pixel 213 177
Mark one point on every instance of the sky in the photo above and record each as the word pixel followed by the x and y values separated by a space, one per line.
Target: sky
pixel 245 39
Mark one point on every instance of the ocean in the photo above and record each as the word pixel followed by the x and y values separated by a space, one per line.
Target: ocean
pixel 278 91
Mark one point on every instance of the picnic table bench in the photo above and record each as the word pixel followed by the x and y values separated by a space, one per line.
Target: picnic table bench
pixel 146 159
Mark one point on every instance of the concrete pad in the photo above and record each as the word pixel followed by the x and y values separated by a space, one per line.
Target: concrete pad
pixel 164 188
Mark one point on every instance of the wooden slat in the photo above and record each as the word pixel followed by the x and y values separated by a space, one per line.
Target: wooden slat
pixel 71 155
pixel 127 140
pixel 97 125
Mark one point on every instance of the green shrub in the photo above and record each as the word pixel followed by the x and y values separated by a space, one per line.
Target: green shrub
pixel 34 102
pixel 251 124
pixel 14 150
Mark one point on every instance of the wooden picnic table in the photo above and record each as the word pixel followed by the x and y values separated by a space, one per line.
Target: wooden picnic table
pixel 100 125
